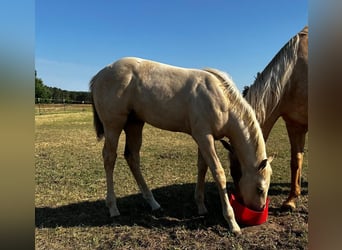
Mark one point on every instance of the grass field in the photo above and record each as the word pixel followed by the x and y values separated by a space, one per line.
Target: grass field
pixel 70 191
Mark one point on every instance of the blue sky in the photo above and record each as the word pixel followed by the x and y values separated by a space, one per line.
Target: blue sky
pixel 75 39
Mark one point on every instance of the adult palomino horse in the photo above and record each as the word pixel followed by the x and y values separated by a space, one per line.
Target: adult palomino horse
pixel 281 90
pixel 202 103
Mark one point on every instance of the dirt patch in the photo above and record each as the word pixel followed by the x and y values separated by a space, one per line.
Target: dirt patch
pixel 178 226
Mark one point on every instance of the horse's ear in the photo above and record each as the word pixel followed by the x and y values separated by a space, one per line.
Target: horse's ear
pixel 262 165
pixel 245 91
pixel 227 146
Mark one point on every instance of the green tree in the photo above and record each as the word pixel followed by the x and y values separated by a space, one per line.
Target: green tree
pixel 41 91
pixel 48 94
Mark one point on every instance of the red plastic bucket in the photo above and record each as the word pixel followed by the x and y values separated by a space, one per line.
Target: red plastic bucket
pixel 247 216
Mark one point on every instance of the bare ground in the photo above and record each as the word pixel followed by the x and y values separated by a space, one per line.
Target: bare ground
pixel 178 226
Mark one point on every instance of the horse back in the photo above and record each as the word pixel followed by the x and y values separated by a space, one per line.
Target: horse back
pixel 165 96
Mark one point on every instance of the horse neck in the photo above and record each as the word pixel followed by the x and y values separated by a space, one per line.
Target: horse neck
pixel 242 127
pixel 247 140
pixel 266 92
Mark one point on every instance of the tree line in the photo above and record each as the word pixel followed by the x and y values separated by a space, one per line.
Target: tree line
pixel 46 94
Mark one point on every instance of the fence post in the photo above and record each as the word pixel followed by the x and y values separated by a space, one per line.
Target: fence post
pixel 38 99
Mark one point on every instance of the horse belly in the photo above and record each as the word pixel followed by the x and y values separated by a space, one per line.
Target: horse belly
pixel 170 116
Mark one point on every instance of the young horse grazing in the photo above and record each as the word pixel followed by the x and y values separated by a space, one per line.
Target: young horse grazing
pixel 281 90
pixel 202 103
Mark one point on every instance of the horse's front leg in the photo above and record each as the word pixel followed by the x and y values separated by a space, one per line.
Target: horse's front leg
pixel 207 148
pixel 202 168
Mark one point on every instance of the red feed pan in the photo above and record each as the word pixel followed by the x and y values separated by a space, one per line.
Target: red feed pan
pixel 247 216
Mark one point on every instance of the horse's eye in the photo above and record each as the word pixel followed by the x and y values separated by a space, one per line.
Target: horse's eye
pixel 260 190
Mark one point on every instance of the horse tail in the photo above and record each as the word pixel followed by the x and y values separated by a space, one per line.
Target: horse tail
pixel 98 124
pixel 96 119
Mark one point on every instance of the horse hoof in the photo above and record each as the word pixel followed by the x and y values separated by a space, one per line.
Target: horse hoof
pixel 116 221
pixel 158 212
pixel 287 207
pixel 202 210
pixel 237 232
pixel 114 212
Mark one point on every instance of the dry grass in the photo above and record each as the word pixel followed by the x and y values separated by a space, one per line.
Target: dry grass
pixel 70 191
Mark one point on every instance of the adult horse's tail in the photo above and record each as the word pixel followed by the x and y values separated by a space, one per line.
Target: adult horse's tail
pixel 97 122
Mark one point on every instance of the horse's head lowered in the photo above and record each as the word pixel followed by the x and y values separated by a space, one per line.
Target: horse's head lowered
pixel 251 183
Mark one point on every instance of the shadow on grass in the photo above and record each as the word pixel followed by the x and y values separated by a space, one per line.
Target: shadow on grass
pixel 177 201
pixel 284 188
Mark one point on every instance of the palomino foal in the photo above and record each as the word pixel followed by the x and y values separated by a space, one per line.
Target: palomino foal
pixel 202 103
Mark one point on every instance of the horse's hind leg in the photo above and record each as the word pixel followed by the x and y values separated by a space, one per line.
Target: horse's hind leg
pixel 202 168
pixel 133 130
pixel 109 157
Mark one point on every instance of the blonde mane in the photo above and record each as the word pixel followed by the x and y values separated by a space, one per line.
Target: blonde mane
pixel 239 105
pixel 265 93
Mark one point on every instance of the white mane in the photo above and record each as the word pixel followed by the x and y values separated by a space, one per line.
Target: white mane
pixel 239 105
pixel 268 87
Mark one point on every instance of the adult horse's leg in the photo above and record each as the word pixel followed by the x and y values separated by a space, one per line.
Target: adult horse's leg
pixel 297 140
pixel 202 168
pixel 133 130
pixel 109 157
pixel 207 148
